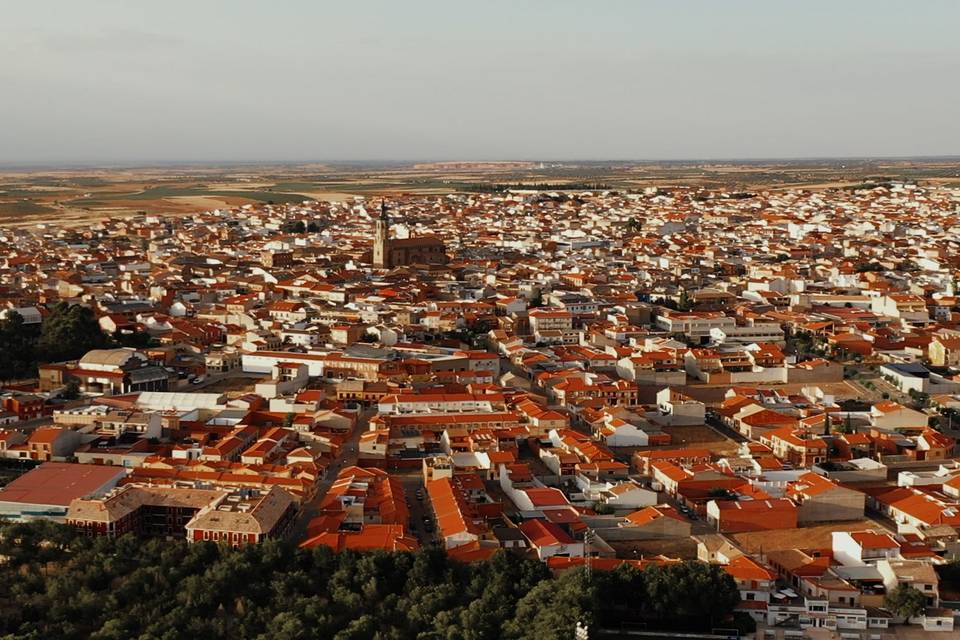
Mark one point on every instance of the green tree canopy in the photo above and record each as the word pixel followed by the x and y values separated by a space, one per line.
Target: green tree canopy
pixel 552 609
pixel 69 332
pixel 905 601
pixel 17 347
pixel 56 583
pixel 690 589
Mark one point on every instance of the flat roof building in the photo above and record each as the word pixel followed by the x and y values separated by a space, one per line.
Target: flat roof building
pixel 48 490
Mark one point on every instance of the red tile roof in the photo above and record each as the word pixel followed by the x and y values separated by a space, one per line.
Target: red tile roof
pixel 542 533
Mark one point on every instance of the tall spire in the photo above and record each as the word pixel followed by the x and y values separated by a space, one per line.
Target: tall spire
pixel 381 240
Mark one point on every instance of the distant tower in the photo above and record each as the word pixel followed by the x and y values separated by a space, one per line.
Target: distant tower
pixel 381 240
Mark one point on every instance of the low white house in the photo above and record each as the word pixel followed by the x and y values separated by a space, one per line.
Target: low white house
pixel 858 548
pixel 675 408
pixel 620 433
pixel 629 496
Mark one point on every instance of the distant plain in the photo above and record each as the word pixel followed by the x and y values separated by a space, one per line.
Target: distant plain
pixel 78 195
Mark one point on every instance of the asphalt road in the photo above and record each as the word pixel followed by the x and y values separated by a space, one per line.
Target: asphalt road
pixel 717 425
pixel 347 457
pixel 420 510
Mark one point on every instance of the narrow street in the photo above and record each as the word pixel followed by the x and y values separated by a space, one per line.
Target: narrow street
pixel 718 426
pixel 347 457
pixel 420 509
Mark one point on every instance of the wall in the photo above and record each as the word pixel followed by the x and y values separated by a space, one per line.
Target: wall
pixel 837 504
pixel 832 372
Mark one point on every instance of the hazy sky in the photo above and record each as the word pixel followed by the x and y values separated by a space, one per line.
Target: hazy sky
pixel 121 81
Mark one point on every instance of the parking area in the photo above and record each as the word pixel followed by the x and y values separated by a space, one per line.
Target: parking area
pixel 422 523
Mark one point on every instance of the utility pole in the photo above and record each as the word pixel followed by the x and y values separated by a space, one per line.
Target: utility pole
pixel 587 541
pixel 582 632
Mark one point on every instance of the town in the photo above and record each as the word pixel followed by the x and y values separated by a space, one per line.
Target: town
pixel 764 381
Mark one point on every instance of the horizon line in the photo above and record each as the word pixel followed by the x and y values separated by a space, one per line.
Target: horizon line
pixel 172 163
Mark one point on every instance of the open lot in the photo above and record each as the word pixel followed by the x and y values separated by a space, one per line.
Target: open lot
pixel 232 385
pixel 702 436
pixel 683 548
pixel 814 537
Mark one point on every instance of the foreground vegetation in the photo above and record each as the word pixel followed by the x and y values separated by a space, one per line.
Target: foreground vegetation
pixel 57 584
pixel 67 333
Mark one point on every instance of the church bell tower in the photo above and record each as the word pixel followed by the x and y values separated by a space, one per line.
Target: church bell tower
pixel 381 240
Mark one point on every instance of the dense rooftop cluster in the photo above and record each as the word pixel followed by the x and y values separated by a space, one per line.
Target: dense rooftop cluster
pixel 762 381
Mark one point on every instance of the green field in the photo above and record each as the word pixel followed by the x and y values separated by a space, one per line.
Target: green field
pixel 23 208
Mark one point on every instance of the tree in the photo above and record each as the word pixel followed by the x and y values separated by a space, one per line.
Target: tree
pixel 134 339
pixel 949 575
pixel 68 333
pixel 293 226
pixel 288 420
pixel 690 590
pixel 552 609
pixel 847 426
pixel 17 346
pixel 57 583
pixel 602 508
pixel 920 398
pixel 951 416
pixel 71 391
pixel 905 601
pixel 803 344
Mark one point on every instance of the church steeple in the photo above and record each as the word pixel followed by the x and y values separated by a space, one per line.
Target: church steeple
pixel 381 240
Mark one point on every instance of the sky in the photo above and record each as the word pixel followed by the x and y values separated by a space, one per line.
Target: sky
pixel 105 81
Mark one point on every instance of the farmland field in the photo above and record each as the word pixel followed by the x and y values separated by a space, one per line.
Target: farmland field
pixel 34 196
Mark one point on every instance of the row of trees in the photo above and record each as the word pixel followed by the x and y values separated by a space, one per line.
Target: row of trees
pixel 298 226
pixel 58 584
pixel 67 333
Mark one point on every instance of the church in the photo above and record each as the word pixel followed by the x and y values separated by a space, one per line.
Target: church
pixel 397 252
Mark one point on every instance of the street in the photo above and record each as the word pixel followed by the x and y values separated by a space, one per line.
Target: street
pixel 347 457
pixel 419 509
pixel 411 481
pixel 714 423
